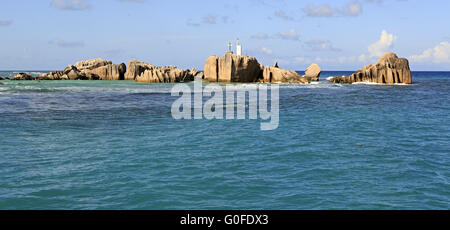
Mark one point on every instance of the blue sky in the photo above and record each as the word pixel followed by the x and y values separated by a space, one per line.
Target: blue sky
pixel 337 35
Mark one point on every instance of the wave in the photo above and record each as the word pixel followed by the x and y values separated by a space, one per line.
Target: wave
pixel 376 83
pixel 329 78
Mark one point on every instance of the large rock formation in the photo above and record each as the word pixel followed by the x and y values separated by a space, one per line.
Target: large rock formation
pixel 136 68
pixel 211 69
pixel 276 74
pixel 94 69
pixel 237 68
pixel 23 77
pixel 232 68
pixel 312 73
pixel 144 72
pixel 97 69
pixel 92 64
pixel 389 70
pixel 71 72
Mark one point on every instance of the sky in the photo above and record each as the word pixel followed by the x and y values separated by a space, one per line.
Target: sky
pixel 337 35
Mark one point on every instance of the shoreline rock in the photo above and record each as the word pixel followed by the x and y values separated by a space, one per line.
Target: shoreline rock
pixel 23 77
pixel 144 72
pixel 237 68
pixel 276 74
pixel 232 68
pixel 388 70
pixel 229 68
pixel 312 73
pixel 97 69
pixel 93 69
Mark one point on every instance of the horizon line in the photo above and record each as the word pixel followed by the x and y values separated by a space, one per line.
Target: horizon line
pixel 37 70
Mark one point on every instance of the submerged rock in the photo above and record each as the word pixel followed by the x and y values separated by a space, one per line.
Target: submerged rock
pixel 312 73
pixel 389 70
pixel 23 77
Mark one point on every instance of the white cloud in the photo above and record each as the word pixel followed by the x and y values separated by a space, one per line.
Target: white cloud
pixel 321 45
pixel 261 36
pixel 70 4
pixel 66 44
pixel 353 9
pixel 266 51
pixel 281 14
pixel 209 19
pixel 190 22
pixel 288 35
pixel 300 60
pixel 383 45
pixel 5 23
pixel 225 19
pixel 438 54
pixel 325 10
pixel 362 58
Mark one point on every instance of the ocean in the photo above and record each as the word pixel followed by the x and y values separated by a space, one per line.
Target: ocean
pixel 115 145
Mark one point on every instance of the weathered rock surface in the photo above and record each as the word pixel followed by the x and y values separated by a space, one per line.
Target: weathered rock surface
pixel 23 77
pixel 211 69
pixel 165 74
pixel 144 72
pixel 96 69
pixel 276 74
pixel 197 74
pixel 232 68
pixel 71 72
pixel 236 68
pixel 136 68
pixel 389 70
pixel 54 75
pixel 108 72
pixel 312 73
pixel 92 64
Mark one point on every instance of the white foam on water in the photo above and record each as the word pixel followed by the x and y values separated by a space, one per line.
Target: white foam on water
pixel 375 83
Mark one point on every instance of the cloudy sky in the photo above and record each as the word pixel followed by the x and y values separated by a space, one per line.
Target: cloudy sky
pixel 337 35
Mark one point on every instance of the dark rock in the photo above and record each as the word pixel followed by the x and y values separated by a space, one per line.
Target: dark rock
pixel 23 77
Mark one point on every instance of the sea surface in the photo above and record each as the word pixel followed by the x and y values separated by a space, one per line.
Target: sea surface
pixel 115 145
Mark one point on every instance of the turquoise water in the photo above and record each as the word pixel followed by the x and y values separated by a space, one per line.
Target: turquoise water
pixel 115 145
